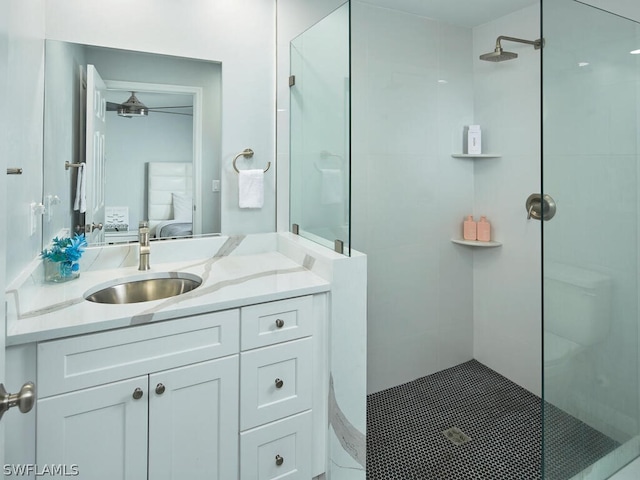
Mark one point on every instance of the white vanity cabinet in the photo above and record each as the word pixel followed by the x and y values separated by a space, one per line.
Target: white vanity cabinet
pixel 179 421
pixel 111 431
pixel 239 393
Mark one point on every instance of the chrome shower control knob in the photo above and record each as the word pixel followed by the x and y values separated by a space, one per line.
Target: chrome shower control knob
pixel 137 393
pixel 279 383
pixel 279 323
pixel 279 460
pixel 160 389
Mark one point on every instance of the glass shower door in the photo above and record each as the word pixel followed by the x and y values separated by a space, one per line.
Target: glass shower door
pixel 319 132
pixel 591 82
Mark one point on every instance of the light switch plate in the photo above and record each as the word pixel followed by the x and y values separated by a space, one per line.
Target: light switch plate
pixel 33 217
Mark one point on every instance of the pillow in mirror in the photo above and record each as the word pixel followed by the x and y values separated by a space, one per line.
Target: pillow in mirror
pixel 182 206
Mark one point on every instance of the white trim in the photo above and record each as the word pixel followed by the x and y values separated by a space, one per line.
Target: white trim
pixel 197 132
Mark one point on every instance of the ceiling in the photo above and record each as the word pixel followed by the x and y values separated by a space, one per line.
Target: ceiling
pixel 466 13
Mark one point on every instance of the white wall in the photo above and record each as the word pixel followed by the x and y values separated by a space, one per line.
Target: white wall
pixel 24 131
pixel 409 196
pixel 238 33
pixel 5 21
pixel 506 280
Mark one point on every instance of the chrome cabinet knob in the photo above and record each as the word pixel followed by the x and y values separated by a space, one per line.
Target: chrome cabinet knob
pixel 279 460
pixel 24 399
pixel 279 323
pixel 160 389
pixel 279 383
pixel 137 393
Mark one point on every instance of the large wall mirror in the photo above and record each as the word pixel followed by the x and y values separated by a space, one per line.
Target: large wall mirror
pixel 152 153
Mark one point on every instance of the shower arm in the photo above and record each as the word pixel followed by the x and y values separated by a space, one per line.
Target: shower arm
pixel 537 44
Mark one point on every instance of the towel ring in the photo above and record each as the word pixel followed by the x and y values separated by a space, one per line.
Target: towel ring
pixel 247 153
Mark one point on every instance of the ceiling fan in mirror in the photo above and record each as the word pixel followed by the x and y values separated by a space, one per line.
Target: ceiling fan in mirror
pixel 135 108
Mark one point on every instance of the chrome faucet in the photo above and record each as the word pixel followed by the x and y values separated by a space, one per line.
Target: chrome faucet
pixel 145 249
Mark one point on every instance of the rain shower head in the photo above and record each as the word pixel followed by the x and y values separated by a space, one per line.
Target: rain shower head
pixel 499 55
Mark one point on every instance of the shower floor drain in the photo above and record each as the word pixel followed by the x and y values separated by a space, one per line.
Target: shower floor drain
pixel 456 436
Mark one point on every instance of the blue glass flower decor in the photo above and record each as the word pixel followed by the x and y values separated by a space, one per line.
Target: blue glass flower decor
pixel 61 259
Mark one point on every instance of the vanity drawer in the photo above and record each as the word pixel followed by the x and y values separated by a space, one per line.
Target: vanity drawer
pixel 275 322
pixel 275 382
pixel 280 449
pixel 84 361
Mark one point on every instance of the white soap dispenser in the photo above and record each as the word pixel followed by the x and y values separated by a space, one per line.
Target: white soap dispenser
pixel 474 140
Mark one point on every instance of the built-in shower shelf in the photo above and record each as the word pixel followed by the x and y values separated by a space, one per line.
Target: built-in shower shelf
pixel 476 243
pixel 478 155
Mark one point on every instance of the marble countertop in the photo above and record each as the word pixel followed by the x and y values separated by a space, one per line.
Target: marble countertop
pixel 39 311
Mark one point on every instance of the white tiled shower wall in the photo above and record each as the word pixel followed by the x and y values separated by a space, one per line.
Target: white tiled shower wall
pixel 433 304
pixel 408 195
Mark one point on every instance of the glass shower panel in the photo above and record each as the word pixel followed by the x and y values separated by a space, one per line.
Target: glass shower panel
pixel 590 248
pixel 319 131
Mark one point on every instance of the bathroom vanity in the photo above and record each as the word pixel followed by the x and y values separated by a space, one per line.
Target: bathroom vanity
pixel 230 380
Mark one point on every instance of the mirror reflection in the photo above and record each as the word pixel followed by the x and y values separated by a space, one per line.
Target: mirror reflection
pixel 142 134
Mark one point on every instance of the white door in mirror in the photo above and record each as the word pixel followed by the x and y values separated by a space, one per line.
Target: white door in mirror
pixel 95 154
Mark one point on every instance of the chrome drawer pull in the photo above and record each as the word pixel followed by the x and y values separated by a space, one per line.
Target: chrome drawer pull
pixel 160 389
pixel 137 393
pixel 279 460
pixel 279 383
pixel 279 323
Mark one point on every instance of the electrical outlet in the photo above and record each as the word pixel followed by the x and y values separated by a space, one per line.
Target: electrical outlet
pixel 215 186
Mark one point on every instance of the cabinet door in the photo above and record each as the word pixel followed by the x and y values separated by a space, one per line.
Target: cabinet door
pixel 193 417
pixel 101 430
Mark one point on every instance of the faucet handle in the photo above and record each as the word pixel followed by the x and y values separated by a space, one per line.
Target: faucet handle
pixel 143 224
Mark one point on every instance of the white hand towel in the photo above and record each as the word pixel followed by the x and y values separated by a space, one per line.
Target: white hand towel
pixel 80 203
pixel 331 188
pixel 251 188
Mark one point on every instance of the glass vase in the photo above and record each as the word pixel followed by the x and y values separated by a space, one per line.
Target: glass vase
pixel 59 272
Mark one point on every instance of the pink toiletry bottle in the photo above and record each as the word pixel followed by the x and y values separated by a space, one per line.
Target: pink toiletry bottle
pixel 484 230
pixel 469 231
